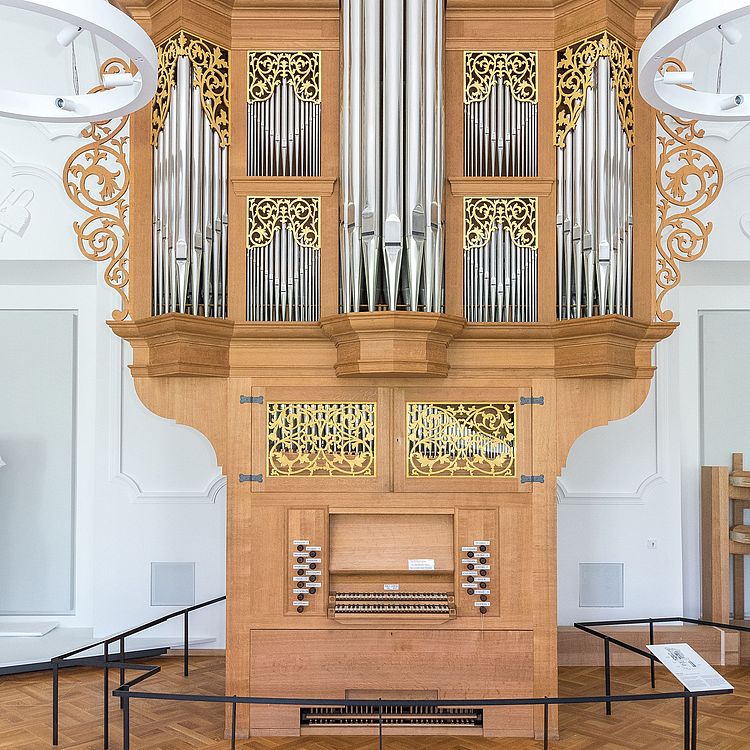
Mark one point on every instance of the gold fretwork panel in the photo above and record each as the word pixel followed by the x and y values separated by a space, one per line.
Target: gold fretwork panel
pixel 482 216
pixel 689 178
pixel 321 439
pixel 97 179
pixel 460 439
pixel 266 70
pixel 266 215
pixel 518 70
pixel 575 76
pixel 210 64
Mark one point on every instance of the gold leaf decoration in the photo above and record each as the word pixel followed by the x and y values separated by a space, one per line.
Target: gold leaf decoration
pixel 482 216
pixel 97 178
pixel 266 215
pixel 518 70
pixel 461 440
pixel 321 439
pixel 688 179
pixel 210 64
pixel 265 70
pixel 575 76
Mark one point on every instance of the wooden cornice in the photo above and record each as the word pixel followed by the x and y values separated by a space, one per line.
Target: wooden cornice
pixel 385 344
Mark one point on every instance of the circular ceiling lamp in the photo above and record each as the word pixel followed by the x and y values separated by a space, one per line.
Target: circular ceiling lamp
pixel 672 91
pixel 121 93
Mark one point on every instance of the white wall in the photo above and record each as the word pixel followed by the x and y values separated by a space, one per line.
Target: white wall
pixel 147 490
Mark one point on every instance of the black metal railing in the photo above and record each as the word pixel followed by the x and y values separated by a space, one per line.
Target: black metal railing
pixel 609 640
pixel 105 663
pixel 126 693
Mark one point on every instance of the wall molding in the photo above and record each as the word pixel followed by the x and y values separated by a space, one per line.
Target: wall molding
pixel 116 472
pixel 613 497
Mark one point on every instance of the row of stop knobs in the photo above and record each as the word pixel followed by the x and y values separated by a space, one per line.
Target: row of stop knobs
pixel 474 573
pixel 307 571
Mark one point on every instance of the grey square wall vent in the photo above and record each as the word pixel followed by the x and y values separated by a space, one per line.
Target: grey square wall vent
pixel 600 584
pixel 172 584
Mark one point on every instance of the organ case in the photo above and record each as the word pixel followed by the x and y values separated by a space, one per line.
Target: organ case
pixel 386 333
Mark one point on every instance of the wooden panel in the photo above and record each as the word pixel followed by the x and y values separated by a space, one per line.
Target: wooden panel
pixel 307 528
pixel 715 542
pixel 445 482
pixel 472 526
pixel 471 664
pixel 362 543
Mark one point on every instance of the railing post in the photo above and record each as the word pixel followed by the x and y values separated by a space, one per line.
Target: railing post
pixel 546 724
pixel 55 701
pixel 106 696
pixel 185 654
pixel 234 723
pixel 126 720
pixel 694 734
pixel 651 641
pixel 686 729
pixel 122 669
pixel 607 676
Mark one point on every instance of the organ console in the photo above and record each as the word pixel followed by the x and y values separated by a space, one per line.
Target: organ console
pixel 392 259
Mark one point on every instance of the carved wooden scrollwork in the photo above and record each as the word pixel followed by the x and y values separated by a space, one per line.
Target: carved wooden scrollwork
pixel 266 215
pixel 688 179
pixel 265 70
pixel 575 76
pixel 518 70
pixel 482 216
pixel 96 178
pixel 210 64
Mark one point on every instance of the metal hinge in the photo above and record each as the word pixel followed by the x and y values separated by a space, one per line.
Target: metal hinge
pixel 251 478
pixel 533 400
pixel 526 479
pixel 251 399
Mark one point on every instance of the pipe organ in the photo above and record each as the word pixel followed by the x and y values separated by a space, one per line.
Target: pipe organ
pixel 500 114
pixel 423 269
pixel 190 142
pixel 283 114
pixel 392 156
pixel 594 140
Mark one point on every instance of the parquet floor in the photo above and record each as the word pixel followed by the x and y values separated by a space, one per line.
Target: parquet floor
pixel 724 722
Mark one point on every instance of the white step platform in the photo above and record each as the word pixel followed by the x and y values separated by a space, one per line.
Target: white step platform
pixel 37 650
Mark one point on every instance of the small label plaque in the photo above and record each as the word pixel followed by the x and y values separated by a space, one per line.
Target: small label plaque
pixel 468 549
pixel 482 604
pixel 300 566
pixel 314 549
pixel 300 541
pixel 314 585
pixel 422 564
pixel 299 591
pixel 300 604
pixel 391 586
pixel 482 580
pixel 482 567
pixel 483 543
pixel 300 578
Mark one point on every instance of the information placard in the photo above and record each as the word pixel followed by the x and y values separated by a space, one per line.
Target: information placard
pixel 689 667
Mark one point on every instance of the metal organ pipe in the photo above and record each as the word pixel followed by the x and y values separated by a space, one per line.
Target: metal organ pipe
pixel 190 205
pixel 392 156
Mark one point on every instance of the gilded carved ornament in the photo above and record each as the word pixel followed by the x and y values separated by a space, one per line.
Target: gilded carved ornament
pixel 321 439
pixel 460 440
pixel 266 70
pixel 265 216
pixel 575 76
pixel 688 179
pixel 210 64
pixel 97 178
pixel 482 216
pixel 518 70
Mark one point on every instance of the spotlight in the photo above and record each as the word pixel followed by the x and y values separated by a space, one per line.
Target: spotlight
pixel 66 104
pixel 730 32
pixel 115 80
pixel 67 35
pixel 678 77
pixel 732 101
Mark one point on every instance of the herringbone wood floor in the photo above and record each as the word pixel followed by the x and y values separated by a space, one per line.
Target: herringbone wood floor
pixel 25 702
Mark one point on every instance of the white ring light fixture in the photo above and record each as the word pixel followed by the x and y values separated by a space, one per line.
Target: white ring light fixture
pixel 124 93
pixel 668 93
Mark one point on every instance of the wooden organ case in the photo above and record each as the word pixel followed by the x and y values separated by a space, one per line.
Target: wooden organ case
pixel 392 258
